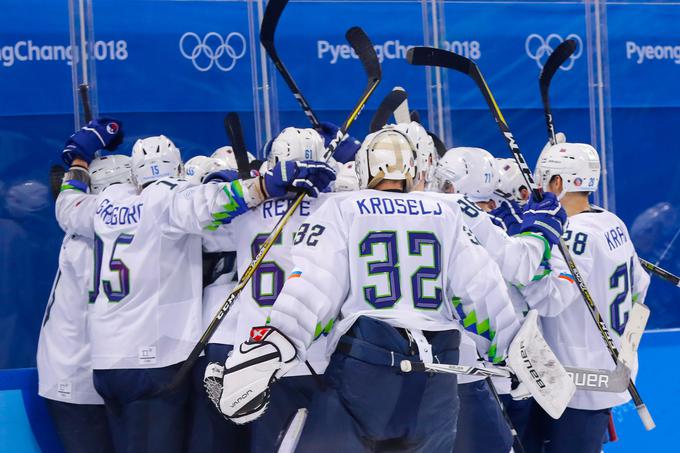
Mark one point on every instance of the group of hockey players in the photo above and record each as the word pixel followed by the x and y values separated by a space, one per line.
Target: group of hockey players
pixel 398 254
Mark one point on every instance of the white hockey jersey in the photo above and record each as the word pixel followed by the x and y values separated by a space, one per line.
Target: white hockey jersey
pixel 147 287
pixel 63 358
pixel 402 258
pixel 214 296
pixel 246 235
pixel 604 254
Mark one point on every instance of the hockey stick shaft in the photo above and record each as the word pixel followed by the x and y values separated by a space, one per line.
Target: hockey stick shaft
pixel 516 441
pixel 660 272
pixel 561 54
pixel 387 106
pixel 363 47
pixel 232 126
pixel 84 93
pixel 437 57
pixel 270 20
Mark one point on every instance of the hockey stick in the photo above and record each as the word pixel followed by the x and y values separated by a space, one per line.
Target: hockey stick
pixel 556 59
pixel 660 272
pixel 438 143
pixel 386 108
pixel 614 381
pixel 427 56
pixel 369 59
pixel 232 125
pixel 561 54
pixel 415 116
pixel 84 92
pixel 517 446
pixel 270 20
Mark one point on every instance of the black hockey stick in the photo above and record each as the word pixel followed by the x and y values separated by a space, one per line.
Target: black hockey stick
pixel 415 116
pixel 369 59
pixel 386 108
pixel 561 54
pixel 556 59
pixel 270 20
pixel 428 56
pixel 517 446
pixel 84 92
pixel 232 125
pixel 438 143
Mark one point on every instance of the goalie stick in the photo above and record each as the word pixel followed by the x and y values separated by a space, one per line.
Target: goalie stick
pixel 270 20
pixel 232 126
pixel 428 56
pixel 556 59
pixel 387 106
pixel 369 59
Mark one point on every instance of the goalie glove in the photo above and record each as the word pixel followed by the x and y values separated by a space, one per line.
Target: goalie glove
pixel 250 370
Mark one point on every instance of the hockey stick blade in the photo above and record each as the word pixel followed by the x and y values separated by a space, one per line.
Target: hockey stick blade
pixel 84 92
pixel 415 116
pixel 386 108
pixel 430 56
pixel 438 143
pixel 232 126
pixel 270 21
pixel 561 54
pixel 660 272
pixel 401 113
pixel 369 59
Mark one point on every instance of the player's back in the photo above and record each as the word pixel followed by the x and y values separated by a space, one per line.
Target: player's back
pixel 605 256
pixel 147 291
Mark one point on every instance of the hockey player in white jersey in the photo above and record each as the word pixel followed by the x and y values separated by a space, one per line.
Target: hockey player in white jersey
pixel 147 288
pixel 254 304
pixel 471 178
pixel 384 267
pixel 604 254
pixel 63 358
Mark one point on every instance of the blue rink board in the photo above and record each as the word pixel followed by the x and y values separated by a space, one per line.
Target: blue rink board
pixel 25 426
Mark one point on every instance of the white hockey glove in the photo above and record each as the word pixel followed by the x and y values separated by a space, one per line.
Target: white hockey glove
pixel 538 369
pixel 250 370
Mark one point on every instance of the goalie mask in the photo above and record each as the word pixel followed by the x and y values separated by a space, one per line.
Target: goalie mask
pixel 576 163
pixel 294 144
pixel 225 155
pixel 199 167
pixel 426 152
pixel 107 170
pixel 154 158
pixel 386 155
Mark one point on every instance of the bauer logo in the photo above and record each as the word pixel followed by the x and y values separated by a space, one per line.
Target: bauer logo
pixel 391 50
pixel 30 51
pixel 539 48
pixel 642 53
pixel 213 50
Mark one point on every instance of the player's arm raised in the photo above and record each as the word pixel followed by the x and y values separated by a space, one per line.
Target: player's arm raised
pixel 75 209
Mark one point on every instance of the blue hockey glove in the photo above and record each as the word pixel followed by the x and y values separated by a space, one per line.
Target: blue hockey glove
pixel 100 133
pixel 221 176
pixel 508 216
pixel 546 218
pixel 307 175
pixel 346 149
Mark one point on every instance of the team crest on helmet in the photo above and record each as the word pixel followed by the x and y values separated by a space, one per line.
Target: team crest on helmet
pixel 578 182
pixel 112 128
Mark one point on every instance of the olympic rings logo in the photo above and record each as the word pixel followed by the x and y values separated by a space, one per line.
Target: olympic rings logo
pixel 213 50
pixel 539 49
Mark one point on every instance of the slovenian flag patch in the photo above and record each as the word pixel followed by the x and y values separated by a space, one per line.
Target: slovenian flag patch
pixel 295 274
pixel 567 277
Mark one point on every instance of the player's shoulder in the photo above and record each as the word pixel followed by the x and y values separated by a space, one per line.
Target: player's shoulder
pixel 594 220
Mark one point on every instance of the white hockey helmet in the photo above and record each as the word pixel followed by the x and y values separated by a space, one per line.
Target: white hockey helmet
pixel 346 178
pixel 511 180
pixel 109 169
pixel 154 158
pixel 426 153
pixel 468 171
pixel 294 144
pixel 227 158
pixel 386 154
pixel 199 167
pixel 576 163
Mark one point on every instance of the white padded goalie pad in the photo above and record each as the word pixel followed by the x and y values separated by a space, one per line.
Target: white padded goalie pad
pixel 537 367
